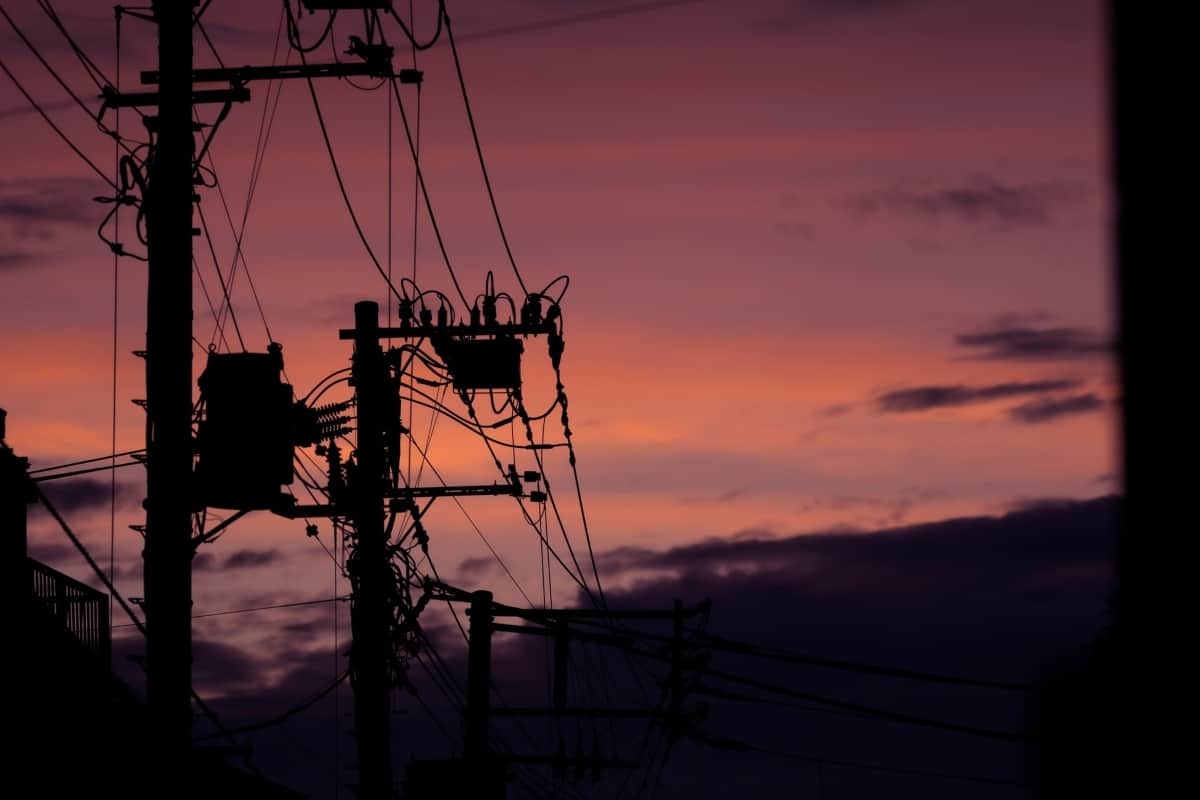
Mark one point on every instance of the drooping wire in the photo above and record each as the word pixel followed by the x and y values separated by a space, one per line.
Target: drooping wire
pixel 337 174
pixel 487 181
pixel 66 140
pixel 726 743
pixel 112 489
pixel 228 301
pixel 425 193
pixel 483 538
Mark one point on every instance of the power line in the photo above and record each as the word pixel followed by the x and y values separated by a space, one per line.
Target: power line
pixel 576 19
pixel 296 604
pixel 487 182
pixel 87 461
pixel 726 743
pixel 425 193
pixel 894 716
pixel 279 719
pixel 55 128
pixel 77 472
pixel 745 648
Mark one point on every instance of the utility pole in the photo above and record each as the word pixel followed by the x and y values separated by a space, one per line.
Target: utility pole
pixel 479 679
pixel 168 555
pixel 370 573
pixel 15 496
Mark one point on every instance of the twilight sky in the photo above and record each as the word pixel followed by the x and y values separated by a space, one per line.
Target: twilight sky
pixel 835 265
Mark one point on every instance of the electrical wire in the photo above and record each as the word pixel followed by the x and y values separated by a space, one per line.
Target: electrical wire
pixel 337 174
pixel 487 181
pixel 745 648
pixel 57 467
pixel 425 193
pixel 228 612
pixel 726 743
pixel 66 140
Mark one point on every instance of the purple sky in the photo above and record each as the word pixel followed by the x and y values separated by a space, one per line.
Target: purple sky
pixel 834 265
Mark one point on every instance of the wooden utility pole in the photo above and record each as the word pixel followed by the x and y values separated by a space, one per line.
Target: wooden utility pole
pixel 370 571
pixel 168 555
pixel 479 680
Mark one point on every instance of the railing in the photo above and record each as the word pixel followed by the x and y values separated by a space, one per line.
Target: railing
pixel 78 607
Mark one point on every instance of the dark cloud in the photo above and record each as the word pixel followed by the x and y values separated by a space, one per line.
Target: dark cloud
pixel 49 552
pixel 984 200
pixel 44 200
pixel 1050 530
pixel 922 398
pixel 87 494
pixel 14 259
pixel 31 212
pixel 471 569
pixel 1052 408
pixel 1027 343
pixel 203 562
pixel 250 559
pixel 1013 598
pixel 728 496
pixel 221 668
pixel 836 410
pixel 23 110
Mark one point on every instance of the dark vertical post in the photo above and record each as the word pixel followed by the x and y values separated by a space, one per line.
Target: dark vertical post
pixel 168 580
pixel 479 680
pixel 15 496
pixel 561 661
pixel 370 617
pixel 676 679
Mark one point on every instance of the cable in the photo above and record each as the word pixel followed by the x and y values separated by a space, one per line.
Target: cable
pixel 55 128
pixel 296 604
pixel 462 508
pixel 894 716
pixel 337 174
pixel 279 719
pixel 745 648
pixel 74 473
pixel 221 278
pixel 87 461
pixel 487 182
pixel 94 72
pixel 425 193
pixel 725 743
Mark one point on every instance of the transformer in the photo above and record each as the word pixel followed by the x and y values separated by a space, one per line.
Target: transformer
pixel 245 442
pixel 481 363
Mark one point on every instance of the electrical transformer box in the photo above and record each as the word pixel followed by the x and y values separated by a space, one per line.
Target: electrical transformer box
pixel 481 363
pixel 244 442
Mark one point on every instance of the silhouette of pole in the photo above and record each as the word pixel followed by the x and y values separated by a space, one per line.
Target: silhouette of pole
pixel 370 617
pixel 479 679
pixel 15 496
pixel 168 589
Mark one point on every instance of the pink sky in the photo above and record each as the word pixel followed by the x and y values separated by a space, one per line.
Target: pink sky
pixel 772 214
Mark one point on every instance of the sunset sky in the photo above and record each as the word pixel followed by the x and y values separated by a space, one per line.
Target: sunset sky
pixel 835 265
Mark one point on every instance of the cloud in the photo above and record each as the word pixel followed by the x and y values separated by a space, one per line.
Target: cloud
pixel 1052 408
pixel 14 259
pixel 242 559
pixel 723 498
pixel 983 200
pixel 923 398
pixel 42 200
pixel 86 494
pixel 1028 343
pixel 835 410
pixel 32 210
pixel 251 559
pixel 1012 598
